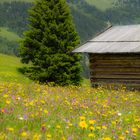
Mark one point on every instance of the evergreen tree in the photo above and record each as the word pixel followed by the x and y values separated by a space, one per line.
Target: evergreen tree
pixel 49 42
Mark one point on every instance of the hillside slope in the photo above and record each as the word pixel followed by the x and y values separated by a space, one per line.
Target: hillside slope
pixel 9 69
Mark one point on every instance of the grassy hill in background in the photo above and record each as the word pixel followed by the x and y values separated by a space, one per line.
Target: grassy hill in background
pixel 8 41
pixel 9 35
pixel 9 69
pixel 101 4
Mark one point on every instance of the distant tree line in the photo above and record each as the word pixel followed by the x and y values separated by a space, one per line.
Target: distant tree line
pixel 14 16
pixel 8 47
pixel 88 19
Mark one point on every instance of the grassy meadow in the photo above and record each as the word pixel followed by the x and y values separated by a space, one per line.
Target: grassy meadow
pixel 9 70
pixel 30 111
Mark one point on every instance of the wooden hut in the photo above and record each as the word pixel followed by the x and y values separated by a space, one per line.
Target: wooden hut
pixel 115 56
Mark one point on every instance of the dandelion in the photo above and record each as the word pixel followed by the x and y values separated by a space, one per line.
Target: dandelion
pixel 91 135
pixel 36 137
pixel 134 130
pixel 127 132
pixel 63 138
pixel 10 129
pixel 82 118
pixel 106 138
pixel 49 136
pixel 121 138
pixel 24 134
pixel 92 122
pixel 98 127
pixel 8 102
pixel 43 102
pixel 92 128
pixel 45 111
pixel 83 124
pixel 104 127
pixel 58 126
pixel 5 95
pixel 70 124
pixel 138 126
pixel 113 122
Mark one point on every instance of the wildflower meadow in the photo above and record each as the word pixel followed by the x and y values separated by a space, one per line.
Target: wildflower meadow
pixel 30 111
pixel 41 112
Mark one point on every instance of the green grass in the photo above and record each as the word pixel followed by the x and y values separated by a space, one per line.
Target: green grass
pixel 11 36
pixel 9 69
pixel 101 4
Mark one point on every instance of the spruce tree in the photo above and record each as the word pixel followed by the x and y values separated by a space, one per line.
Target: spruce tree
pixel 49 42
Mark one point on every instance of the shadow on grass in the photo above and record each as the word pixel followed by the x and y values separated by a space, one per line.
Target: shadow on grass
pixel 23 70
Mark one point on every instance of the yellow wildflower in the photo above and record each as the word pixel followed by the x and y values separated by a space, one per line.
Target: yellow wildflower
pixel 82 118
pixel 138 126
pixel 121 138
pixel 91 135
pixel 127 132
pixel 98 127
pixel 43 102
pixel 24 134
pixel 5 95
pixel 49 136
pixel 8 102
pixel 46 111
pixel 36 137
pixel 83 124
pixel 10 129
pixel 92 122
pixel 92 128
pixel 70 124
pixel 63 138
pixel 134 130
pixel 104 127
pixel 106 138
pixel 58 126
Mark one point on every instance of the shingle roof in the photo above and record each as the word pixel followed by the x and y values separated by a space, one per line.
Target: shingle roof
pixel 117 39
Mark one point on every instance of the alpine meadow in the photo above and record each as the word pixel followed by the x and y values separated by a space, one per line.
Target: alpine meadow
pixel 46 91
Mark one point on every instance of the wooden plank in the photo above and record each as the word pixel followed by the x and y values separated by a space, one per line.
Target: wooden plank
pixel 116 62
pixel 115 73
pixel 116 76
pixel 114 56
pixel 114 80
pixel 118 85
pixel 117 69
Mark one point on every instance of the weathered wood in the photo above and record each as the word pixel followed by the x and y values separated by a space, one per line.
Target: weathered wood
pixel 114 56
pixel 116 62
pixel 115 68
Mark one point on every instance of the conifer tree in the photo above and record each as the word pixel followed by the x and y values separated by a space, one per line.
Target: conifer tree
pixel 49 42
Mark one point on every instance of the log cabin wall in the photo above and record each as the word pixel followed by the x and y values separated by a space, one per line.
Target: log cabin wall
pixel 115 68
